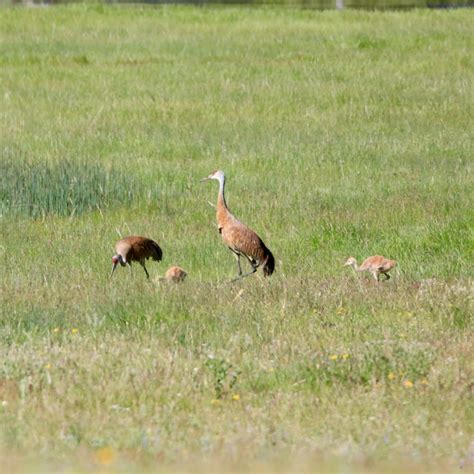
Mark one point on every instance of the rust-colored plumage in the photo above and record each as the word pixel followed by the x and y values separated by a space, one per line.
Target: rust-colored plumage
pixel 376 265
pixel 238 237
pixel 135 249
pixel 175 274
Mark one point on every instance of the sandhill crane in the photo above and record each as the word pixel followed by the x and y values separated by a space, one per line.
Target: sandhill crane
pixel 175 274
pixel 375 265
pixel 238 237
pixel 135 249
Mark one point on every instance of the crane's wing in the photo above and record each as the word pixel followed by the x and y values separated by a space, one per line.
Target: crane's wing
pixel 245 241
pixel 372 263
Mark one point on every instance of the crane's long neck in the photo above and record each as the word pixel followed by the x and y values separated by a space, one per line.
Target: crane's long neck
pixel 221 203
pixel 356 267
pixel 223 212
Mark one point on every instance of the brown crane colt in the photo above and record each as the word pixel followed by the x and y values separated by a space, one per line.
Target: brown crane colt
pixel 376 265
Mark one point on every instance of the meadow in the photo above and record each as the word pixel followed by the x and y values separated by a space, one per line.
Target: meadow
pixel 341 134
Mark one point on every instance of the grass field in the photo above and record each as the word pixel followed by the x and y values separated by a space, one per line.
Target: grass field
pixel 341 134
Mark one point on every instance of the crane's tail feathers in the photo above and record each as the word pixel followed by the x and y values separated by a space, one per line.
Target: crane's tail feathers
pixel 157 252
pixel 269 265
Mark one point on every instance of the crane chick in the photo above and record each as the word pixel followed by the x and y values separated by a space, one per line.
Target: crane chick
pixel 238 237
pixel 175 274
pixel 376 265
pixel 135 249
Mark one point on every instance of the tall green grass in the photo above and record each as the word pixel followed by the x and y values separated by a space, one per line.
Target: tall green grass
pixel 64 189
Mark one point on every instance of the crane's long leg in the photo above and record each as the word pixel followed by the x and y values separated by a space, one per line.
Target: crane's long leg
pixel 144 268
pixel 253 264
pixel 254 269
pixel 237 256
pixel 376 276
pixel 387 276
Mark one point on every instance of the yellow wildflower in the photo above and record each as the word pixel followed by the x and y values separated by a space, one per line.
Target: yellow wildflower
pixel 56 330
pixel 391 376
pixel 345 356
pixel 47 366
pixel 105 455
pixel 236 397
pixel 74 331
pixel 215 402
pixel 407 384
pixel 333 357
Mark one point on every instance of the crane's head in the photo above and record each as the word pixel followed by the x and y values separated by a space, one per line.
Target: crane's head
pixel 116 259
pixel 351 261
pixel 218 175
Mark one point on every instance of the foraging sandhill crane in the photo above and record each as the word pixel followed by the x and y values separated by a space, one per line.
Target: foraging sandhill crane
pixel 375 265
pixel 135 249
pixel 175 274
pixel 238 237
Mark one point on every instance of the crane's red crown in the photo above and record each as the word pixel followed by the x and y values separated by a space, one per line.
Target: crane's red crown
pixel 216 172
pixel 218 175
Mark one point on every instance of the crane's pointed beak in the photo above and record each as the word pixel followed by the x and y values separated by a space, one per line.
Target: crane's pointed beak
pixel 204 179
pixel 114 266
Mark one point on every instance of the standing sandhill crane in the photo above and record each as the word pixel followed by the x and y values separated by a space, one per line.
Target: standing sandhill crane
pixel 238 237
pixel 375 265
pixel 136 249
